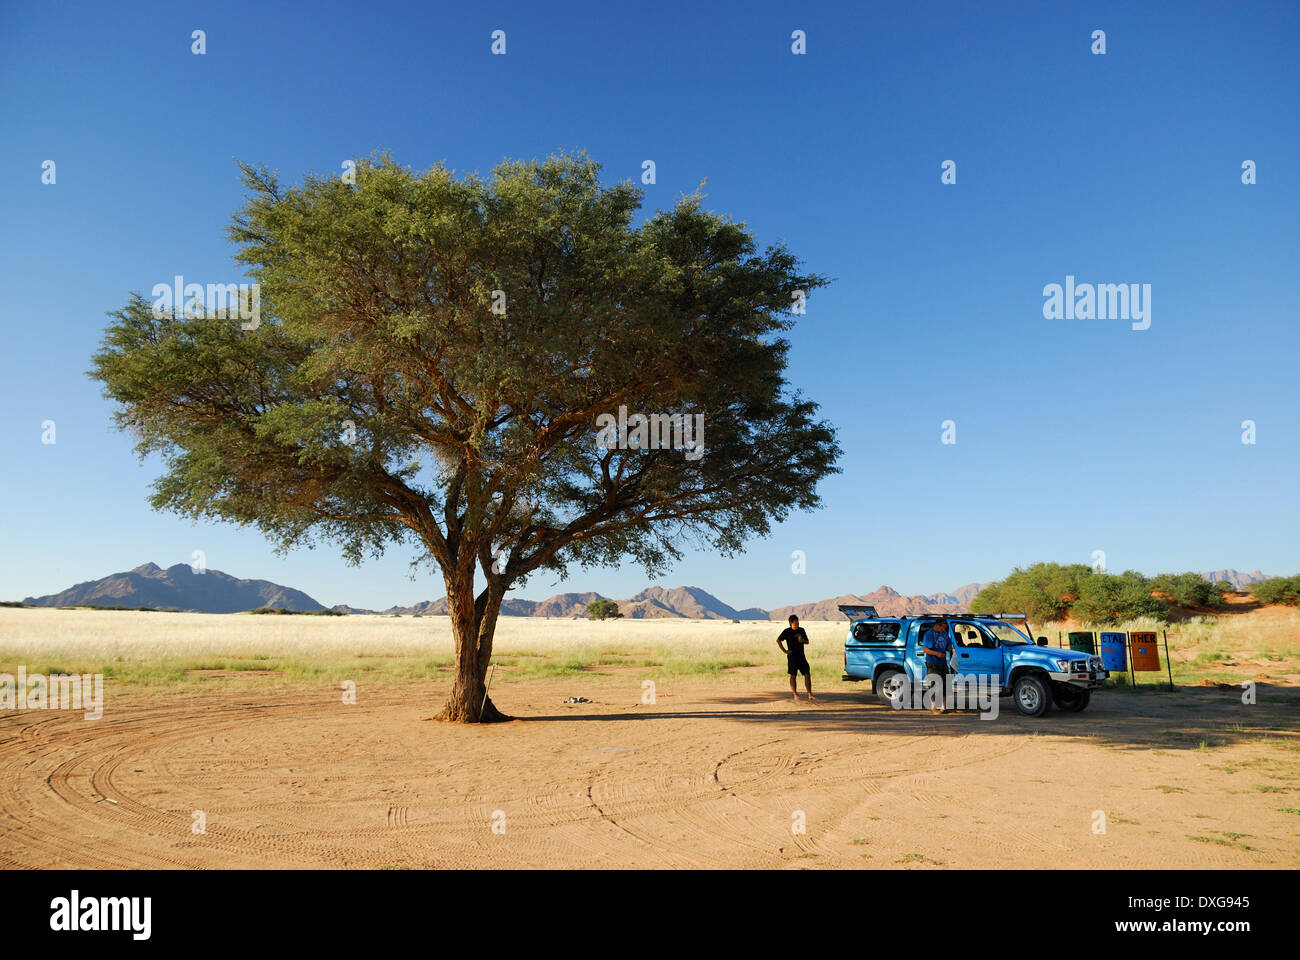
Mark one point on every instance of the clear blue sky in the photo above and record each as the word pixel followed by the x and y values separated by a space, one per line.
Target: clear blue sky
pixel 1072 435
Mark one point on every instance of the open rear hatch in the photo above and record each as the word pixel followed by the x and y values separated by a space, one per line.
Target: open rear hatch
pixel 855 611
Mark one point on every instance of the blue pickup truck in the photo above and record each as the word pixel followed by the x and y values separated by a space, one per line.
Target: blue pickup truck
pixel 887 651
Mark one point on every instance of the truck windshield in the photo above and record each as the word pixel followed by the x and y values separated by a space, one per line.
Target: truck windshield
pixel 1007 635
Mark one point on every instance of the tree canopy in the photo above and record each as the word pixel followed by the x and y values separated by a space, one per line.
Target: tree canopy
pixel 1284 590
pixel 603 610
pixel 1051 592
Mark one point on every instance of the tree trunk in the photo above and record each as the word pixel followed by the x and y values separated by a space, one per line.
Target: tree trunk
pixel 473 624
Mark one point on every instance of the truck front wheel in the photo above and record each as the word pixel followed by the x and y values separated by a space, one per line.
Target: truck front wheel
pixel 1032 697
pixel 1071 699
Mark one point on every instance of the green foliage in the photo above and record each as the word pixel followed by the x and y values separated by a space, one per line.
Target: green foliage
pixel 603 610
pixel 1188 589
pixel 304 613
pixel 1107 598
pixel 1044 591
pixel 382 399
pixel 1050 592
pixel 1285 590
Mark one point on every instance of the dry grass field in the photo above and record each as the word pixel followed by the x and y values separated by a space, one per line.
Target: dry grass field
pixel 238 723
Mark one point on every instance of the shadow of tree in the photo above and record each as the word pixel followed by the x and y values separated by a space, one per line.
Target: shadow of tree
pixel 1189 718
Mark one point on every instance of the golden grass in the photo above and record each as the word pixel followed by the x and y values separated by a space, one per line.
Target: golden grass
pixel 1226 648
pixel 153 648
pixel 165 648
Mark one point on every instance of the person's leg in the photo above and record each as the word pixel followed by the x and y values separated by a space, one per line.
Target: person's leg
pixel 794 688
pixel 934 688
pixel 807 682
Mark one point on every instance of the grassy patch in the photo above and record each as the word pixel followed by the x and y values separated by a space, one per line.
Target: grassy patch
pixel 919 858
pixel 564 667
pixel 1221 841
pixel 695 668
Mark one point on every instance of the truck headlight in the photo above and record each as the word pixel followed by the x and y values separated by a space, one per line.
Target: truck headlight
pixel 1064 665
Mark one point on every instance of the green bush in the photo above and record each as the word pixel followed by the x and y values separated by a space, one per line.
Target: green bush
pixel 1050 592
pixel 326 612
pixel 1106 598
pixel 1278 590
pixel 1188 589
pixel 603 610
pixel 1044 591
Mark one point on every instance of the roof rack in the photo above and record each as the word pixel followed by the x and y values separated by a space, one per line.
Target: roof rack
pixel 913 614
pixel 859 610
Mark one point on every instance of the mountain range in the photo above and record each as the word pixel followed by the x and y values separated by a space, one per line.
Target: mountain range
pixel 650 604
pixel 1237 579
pixel 887 601
pixel 180 587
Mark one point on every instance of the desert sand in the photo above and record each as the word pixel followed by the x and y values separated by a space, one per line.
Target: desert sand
pixel 708 776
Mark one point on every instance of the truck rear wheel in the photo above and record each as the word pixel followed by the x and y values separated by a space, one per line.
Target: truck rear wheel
pixel 888 684
pixel 1071 699
pixel 1032 696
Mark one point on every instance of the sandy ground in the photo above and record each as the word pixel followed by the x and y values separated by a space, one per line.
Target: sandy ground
pixel 709 776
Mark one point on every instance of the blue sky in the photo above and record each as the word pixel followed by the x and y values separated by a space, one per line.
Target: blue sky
pixel 1072 435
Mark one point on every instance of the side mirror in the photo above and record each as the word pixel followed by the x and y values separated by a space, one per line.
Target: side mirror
pixel 1042 641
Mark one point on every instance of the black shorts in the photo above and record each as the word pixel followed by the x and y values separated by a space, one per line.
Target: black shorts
pixel 936 669
pixel 797 663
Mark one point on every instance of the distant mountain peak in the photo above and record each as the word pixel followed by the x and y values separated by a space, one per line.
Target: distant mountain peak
pixel 1235 577
pixel 694 603
pixel 179 588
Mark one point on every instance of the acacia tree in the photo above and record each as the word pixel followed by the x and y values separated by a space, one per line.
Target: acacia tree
pixel 432 357
pixel 603 610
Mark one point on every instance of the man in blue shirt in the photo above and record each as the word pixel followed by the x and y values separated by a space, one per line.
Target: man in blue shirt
pixel 936 643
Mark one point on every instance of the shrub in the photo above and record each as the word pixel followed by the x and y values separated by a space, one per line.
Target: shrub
pixel 1106 598
pixel 1188 589
pixel 1050 592
pixel 1044 591
pixel 1278 590
pixel 603 610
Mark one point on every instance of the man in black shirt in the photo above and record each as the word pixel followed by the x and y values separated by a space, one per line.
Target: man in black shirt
pixel 795 659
